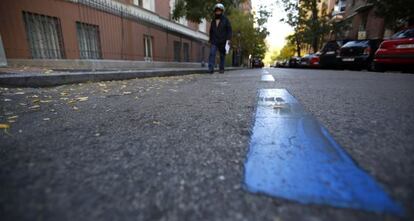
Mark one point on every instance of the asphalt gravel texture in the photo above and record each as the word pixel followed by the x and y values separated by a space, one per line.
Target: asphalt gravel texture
pixel 173 148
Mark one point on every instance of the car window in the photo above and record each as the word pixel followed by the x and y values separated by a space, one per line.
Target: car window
pixel 330 46
pixel 356 44
pixel 409 33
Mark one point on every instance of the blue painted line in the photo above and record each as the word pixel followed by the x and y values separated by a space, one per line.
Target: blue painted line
pixel 293 157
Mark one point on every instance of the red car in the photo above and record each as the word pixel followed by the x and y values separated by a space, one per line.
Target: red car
pixel 398 52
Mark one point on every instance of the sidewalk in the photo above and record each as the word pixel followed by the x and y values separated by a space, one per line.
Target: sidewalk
pixel 45 78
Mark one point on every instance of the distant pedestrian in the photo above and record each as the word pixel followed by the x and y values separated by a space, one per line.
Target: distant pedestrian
pixel 220 36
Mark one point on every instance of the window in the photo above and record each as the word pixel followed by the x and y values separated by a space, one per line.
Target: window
pixel 186 48
pixel 44 35
pixel 202 53
pixel 148 48
pixel 177 51
pixel 147 4
pixel 364 20
pixel 203 26
pixel 138 3
pixel 89 41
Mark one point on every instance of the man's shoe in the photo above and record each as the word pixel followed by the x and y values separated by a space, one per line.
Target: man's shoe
pixel 221 71
pixel 211 72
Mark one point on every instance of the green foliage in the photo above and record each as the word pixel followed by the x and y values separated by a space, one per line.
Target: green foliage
pixel 287 52
pixel 196 10
pixel 396 13
pixel 249 32
pixel 309 24
pixel 250 38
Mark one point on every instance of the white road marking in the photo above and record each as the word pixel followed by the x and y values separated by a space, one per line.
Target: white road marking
pixel 268 78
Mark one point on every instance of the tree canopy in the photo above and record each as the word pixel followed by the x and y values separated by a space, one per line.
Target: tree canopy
pixel 249 31
pixel 196 10
pixel 396 13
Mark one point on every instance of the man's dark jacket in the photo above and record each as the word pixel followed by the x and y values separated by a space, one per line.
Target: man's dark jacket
pixel 219 35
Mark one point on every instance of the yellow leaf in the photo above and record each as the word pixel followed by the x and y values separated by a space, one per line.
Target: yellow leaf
pixel 34 107
pixel 82 99
pixel 4 126
pixel 13 117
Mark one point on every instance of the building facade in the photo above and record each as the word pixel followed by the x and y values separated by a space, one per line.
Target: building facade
pixel 134 30
pixel 360 19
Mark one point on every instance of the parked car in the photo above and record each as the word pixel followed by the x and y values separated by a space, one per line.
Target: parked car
pixel 257 63
pixel 396 53
pixel 329 57
pixel 310 61
pixel 284 64
pixel 294 62
pixel 359 54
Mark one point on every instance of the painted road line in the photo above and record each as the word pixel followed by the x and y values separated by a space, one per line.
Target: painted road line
pixel 268 78
pixel 293 157
pixel 265 72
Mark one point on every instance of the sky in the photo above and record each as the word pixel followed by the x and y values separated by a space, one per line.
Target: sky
pixel 278 30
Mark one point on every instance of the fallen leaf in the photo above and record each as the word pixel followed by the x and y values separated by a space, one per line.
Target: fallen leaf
pixel 102 84
pixel 156 122
pixel 34 107
pixel 45 101
pixel 82 99
pixel 126 93
pixel 36 101
pixel 46 119
pixel 75 108
pixel 7 100
pixel 13 117
pixel 19 93
pixel 4 126
pixel 71 102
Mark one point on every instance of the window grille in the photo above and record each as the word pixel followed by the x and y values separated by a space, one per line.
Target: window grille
pixel 89 41
pixel 44 35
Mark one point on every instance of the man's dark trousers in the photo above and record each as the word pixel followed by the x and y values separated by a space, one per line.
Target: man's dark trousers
pixel 212 59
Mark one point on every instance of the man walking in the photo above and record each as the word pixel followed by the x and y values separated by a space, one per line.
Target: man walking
pixel 220 35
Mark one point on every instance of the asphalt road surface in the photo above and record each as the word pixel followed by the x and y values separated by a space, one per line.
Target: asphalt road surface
pixel 174 148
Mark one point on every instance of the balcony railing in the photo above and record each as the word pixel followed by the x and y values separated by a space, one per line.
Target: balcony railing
pixel 139 14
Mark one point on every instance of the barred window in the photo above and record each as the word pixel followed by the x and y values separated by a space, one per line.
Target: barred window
pixel 177 51
pixel 186 48
pixel 44 35
pixel 89 41
pixel 148 48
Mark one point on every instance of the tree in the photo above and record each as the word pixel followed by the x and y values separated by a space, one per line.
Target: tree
pixel 287 51
pixel 196 10
pixel 396 13
pixel 248 30
pixel 309 24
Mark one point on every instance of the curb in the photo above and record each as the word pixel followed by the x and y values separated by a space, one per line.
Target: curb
pixel 55 79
